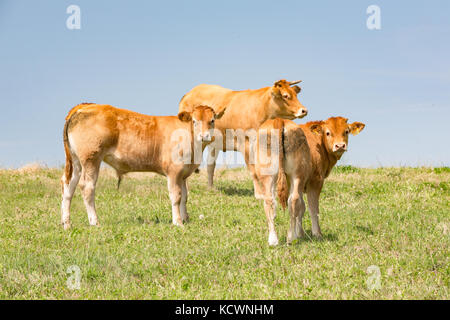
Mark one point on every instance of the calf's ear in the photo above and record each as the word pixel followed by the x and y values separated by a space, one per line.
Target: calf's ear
pixel 356 127
pixel 316 128
pixel 220 112
pixel 185 116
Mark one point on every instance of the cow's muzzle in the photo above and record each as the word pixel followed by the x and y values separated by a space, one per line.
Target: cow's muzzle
pixel 205 137
pixel 340 148
pixel 301 113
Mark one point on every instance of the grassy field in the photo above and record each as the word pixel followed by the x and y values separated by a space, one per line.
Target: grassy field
pixel 394 220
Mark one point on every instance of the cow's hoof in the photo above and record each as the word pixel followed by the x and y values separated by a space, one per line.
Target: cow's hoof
pixel 317 236
pixel 211 187
pixel 291 238
pixel 178 224
pixel 273 239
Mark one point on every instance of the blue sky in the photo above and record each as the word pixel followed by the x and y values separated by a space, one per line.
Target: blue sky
pixel 144 55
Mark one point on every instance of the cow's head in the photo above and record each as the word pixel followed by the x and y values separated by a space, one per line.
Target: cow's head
pixel 284 96
pixel 203 119
pixel 334 132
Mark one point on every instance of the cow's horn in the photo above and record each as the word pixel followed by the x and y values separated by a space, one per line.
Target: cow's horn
pixel 294 82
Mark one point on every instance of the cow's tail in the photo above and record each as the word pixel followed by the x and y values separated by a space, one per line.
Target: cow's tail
pixel 282 187
pixel 69 163
pixel 119 180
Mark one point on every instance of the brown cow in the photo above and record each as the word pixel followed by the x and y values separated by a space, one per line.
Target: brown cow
pixel 129 141
pixel 246 110
pixel 307 154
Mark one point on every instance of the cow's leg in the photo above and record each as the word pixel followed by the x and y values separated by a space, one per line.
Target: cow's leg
pixel 259 194
pixel 268 183
pixel 258 189
pixel 183 208
pixel 313 204
pixel 296 207
pixel 301 211
pixel 88 181
pixel 69 185
pixel 175 190
pixel 211 164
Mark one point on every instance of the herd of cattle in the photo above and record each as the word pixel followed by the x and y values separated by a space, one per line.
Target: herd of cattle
pixel 282 156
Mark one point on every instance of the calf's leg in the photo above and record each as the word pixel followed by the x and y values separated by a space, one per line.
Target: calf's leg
pixel 313 204
pixel 175 193
pixel 183 208
pixel 268 183
pixel 296 207
pixel 258 190
pixel 211 164
pixel 301 211
pixel 69 185
pixel 88 181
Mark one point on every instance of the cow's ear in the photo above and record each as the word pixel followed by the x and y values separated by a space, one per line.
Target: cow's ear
pixel 185 116
pixel 356 127
pixel 220 112
pixel 278 84
pixel 297 89
pixel 316 128
pixel 275 91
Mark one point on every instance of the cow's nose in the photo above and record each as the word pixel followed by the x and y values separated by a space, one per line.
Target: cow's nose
pixel 301 113
pixel 340 146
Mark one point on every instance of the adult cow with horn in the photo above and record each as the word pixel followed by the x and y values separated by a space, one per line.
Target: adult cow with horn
pixel 245 110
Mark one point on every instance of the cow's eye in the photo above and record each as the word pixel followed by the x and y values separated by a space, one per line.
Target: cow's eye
pixel 346 132
pixel 328 133
pixel 212 121
pixel 286 96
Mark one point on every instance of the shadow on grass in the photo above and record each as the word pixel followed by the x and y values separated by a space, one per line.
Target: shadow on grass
pixel 308 237
pixel 327 237
pixel 233 191
pixel 150 220
pixel 366 230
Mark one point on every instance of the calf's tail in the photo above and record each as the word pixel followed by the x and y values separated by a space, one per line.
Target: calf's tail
pixel 282 187
pixel 69 162
pixel 69 165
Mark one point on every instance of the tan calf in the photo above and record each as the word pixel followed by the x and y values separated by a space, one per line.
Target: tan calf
pixel 307 154
pixel 129 141
pixel 246 110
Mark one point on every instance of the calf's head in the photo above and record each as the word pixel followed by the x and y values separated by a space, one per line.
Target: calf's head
pixel 334 132
pixel 284 96
pixel 203 118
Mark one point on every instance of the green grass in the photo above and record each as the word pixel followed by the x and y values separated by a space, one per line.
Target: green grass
pixel 397 219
